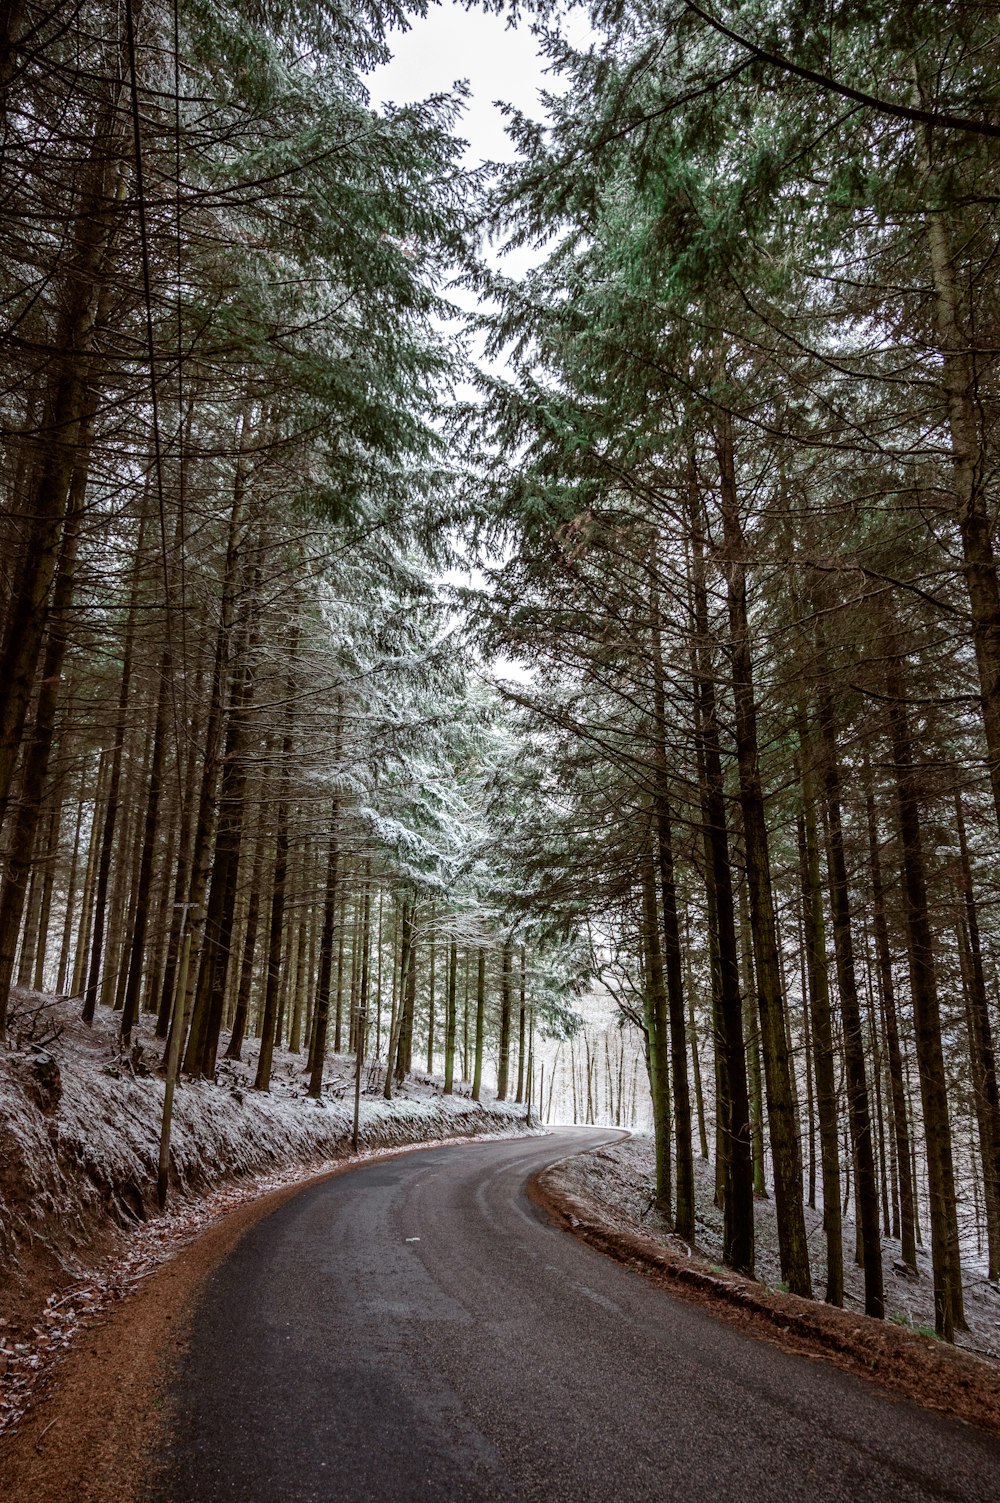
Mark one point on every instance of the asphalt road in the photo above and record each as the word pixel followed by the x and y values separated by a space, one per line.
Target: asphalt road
pixel 415 1330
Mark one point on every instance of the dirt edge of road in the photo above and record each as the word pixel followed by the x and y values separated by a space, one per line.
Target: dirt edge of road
pixel 940 1378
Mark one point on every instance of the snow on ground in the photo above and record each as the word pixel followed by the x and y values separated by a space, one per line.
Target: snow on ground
pixel 619 1180
pixel 79 1123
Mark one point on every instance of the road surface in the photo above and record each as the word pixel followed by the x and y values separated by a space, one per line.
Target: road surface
pixel 415 1330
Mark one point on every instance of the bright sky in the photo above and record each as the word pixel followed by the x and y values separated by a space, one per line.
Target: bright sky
pixel 498 61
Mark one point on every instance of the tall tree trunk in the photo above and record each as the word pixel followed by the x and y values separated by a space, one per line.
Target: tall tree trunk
pixel 361 1009
pixel 397 1022
pixel 824 1055
pixel 786 1152
pixel 224 866
pixel 451 1018
pixel 322 1009
pixel 50 857
pixel 234 1049
pixel 654 1000
pixel 338 1012
pixel 186 813
pixel 226 640
pixel 948 1305
pixel 733 1109
pixel 859 1110
pixel 431 987
pixel 981 1050
pixel 408 990
pixel 154 790
pixel 279 890
pixel 111 808
pixel 971 465
pixel 477 1077
pixel 67 409
pixel 672 952
pixel 699 1095
pixel 897 1082
pixel 67 932
pixel 521 1026
pixel 82 951
pixel 24 833
pixel 505 1005
pixel 751 1031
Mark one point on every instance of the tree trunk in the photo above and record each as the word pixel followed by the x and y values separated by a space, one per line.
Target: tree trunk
pixel 859 1110
pixel 521 1026
pixel 111 807
pixel 477 1077
pixel 948 1307
pixel 276 930
pixel 672 952
pixel 24 833
pixel 981 1050
pixel 897 1083
pixel 733 1109
pixel 451 1018
pixel 751 1031
pixel 67 408
pixel 654 1001
pixel 408 990
pixel 154 790
pixel 397 1022
pixel 210 995
pixel 971 465
pixel 505 1005
pixel 322 1008
pixel 786 1153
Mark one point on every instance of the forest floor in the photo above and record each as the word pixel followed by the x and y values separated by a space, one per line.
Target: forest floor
pixel 606 1198
pixel 79 1134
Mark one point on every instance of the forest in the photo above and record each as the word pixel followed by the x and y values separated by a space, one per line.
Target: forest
pixel 377 676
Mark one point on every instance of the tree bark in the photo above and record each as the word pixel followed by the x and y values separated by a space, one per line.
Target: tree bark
pixel 981 1049
pixel 503 1069
pixel 111 808
pixel 276 929
pixel 859 1110
pixel 786 1152
pixel 948 1306
pixel 477 1077
pixel 654 1000
pixel 18 864
pixel 897 1082
pixel 733 1110
pixel 451 1018
pixel 66 414
pixel 322 1009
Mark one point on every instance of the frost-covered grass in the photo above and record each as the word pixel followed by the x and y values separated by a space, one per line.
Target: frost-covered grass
pixel 619 1180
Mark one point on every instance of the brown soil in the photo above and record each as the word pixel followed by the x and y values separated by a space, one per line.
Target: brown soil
pixel 938 1377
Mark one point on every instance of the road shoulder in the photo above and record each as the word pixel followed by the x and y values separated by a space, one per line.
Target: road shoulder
pixel 939 1378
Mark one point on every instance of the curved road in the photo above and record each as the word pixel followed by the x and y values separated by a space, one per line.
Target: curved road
pixel 414 1330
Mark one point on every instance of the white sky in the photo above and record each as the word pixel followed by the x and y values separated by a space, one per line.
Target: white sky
pixel 499 62
pixel 451 44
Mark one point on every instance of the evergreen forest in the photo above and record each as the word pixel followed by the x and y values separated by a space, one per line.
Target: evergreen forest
pixel 394 648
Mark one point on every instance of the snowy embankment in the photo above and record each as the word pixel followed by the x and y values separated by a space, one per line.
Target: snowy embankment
pixel 605 1198
pixel 617 1182
pixel 79 1136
